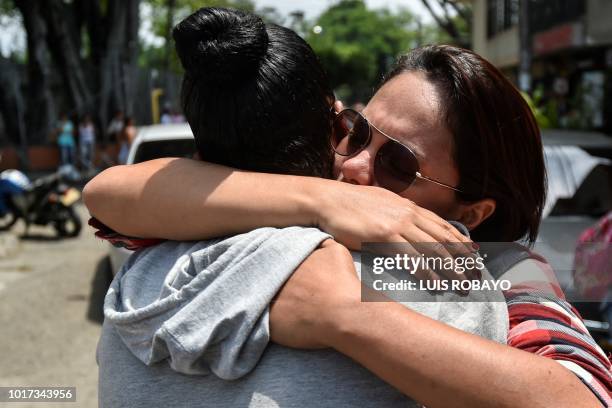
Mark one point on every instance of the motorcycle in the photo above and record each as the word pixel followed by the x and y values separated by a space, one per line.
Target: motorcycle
pixel 45 201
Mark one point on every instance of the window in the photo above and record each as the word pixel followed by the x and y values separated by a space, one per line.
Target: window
pixel 502 14
pixel 165 148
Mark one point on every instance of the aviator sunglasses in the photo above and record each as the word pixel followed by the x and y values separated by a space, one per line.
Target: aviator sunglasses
pixel 395 166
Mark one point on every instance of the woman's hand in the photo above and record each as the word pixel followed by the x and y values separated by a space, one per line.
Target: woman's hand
pixel 356 214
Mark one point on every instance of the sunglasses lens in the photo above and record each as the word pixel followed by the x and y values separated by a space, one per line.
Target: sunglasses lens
pixel 395 167
pixel 351 133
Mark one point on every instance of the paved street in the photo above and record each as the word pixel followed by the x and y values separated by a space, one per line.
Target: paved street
pixel 51 294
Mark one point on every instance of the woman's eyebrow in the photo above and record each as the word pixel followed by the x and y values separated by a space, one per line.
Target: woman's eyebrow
pixel 401 140
pixel 416 150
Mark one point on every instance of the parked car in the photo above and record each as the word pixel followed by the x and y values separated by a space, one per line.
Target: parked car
pixel 154 142
pixel 579 168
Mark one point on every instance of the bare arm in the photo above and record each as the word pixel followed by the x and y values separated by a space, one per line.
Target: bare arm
pixel 185 199
pixel 433 363
pixel 442 366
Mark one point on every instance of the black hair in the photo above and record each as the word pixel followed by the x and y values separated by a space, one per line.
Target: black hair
pixel 255 95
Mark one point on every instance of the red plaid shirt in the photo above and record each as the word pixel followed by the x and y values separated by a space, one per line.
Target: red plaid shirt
pixel 542 322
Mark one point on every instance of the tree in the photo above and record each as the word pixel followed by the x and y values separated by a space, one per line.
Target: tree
pixel 455 19
pixel 357 45
pixel 12 107
pixel 40 114
pixel 166 14
pixel 91 44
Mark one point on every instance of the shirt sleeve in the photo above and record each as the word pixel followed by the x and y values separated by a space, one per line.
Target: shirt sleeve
pixel 121 241
pixel 544 323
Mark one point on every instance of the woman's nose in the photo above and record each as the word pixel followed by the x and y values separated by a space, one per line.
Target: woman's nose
pixel 358 169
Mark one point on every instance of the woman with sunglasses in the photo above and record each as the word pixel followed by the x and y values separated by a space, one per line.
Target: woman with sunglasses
pixel 201 308
pixel 479 162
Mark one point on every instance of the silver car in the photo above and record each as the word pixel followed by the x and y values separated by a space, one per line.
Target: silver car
pixel 154 142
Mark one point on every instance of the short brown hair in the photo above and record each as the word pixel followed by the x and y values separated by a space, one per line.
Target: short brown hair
pixel 497 143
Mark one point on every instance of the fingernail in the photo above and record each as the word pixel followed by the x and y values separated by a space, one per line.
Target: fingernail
pixel 475 246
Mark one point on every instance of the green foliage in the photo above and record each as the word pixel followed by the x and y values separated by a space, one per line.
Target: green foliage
pixel 7 8
pixel 357 45
pixel 154 56
pixel 185 7
pixel 271 15
pixel 543 121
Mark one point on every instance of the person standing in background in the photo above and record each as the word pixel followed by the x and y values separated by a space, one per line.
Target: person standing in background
pixel 87 142
pixel 115 126
pixel 165 118
pixel 65 140
pixel 113 131
pixel 126 137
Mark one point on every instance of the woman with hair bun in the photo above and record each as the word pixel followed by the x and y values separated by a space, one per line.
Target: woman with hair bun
pixel 478 161
pixel 254 95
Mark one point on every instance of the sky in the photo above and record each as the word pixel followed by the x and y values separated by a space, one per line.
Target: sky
pixel 313 8
pixel 12 36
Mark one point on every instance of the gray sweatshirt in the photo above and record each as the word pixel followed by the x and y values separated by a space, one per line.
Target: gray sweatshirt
pixel 201 308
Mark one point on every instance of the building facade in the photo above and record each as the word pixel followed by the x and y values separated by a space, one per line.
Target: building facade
pixel 571 54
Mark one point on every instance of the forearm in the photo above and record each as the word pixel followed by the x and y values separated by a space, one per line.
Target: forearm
pixel 441 366
pixel 186 199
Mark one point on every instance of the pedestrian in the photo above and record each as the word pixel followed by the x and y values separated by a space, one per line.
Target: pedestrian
pixel 126 137
pixel 87 142
pixel 166 117
pixel 115 126
pixel 65 140
pixel 177 117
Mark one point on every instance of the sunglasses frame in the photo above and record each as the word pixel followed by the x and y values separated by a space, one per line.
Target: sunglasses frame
pixel 371 126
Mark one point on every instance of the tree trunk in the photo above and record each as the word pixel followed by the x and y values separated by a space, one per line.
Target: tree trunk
pixel 525 44
pixel 130 55
pixel 171 6
pixel 109 63
pixel 55 27
pixel 40 112
pixel 446 23
pixel 65 51
pixel 12 108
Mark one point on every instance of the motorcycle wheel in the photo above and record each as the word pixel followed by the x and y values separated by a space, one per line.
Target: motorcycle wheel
pixel 70 225
pixel 7 221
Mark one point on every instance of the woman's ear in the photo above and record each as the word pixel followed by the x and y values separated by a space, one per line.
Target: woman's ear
pixel 474 213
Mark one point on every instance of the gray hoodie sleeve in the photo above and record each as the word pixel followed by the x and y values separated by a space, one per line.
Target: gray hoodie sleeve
pixel 203 306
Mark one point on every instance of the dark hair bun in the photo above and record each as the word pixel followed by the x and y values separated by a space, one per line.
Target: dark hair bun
pixel 217 44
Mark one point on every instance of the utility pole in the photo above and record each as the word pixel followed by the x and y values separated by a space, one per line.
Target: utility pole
pixel 525 47
pixel 169 49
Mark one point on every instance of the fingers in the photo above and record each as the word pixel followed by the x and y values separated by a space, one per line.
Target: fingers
pixel 428 246
pixel 446 235
pixel 398 245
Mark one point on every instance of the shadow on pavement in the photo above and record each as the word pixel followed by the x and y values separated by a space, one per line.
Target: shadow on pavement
pixel 40 237
pixel 99 285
